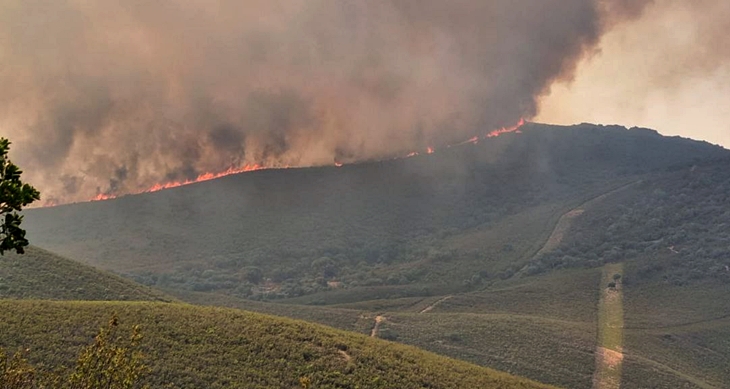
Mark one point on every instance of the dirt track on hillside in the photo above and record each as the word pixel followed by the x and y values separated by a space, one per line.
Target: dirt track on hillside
pixel 376 327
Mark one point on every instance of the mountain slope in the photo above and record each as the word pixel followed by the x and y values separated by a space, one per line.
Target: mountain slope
pixel 393 226
pixel 42 275
pixel 480 238
pixel 185 347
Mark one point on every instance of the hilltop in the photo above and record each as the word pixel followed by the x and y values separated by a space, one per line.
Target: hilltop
pixel 42 275
pixel 184 347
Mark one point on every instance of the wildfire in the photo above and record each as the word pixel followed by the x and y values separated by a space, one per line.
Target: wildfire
pixel 504 130
pixel 205 177
pixel 201 178
pixel 254 167
pixel 102 197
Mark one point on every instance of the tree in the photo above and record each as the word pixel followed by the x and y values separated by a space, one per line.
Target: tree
pixel 14 195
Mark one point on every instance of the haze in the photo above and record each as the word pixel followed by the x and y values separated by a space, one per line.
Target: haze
pixel 115 97
pixel 668 71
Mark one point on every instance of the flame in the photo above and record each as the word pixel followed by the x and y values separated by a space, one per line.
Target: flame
pixel 254 167
pixel 204 177
pixel 102 197
pixel 505 130
pixel 201 178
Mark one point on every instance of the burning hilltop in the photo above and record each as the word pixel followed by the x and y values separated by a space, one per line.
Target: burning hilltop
pixel 255 167
pixel 106 98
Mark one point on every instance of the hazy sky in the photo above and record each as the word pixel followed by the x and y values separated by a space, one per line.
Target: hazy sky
pixel 107 97
pixel 668 70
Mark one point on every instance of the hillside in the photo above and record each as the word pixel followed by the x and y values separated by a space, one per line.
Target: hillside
pixel 382 229
pixel 544 327
pixel 498 253
pixel 183 344
pixel 42 275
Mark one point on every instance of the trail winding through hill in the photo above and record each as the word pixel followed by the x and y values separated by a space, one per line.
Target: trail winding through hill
pixel 566 220
pixel 609 347
pixel 435 304
pixel 376 327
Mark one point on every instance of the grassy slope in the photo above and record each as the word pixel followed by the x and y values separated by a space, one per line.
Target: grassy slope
pixel 610 342
pixel 184 344
pixel 542 327
pixel 676 336
pixel 39 274
pixel 395 227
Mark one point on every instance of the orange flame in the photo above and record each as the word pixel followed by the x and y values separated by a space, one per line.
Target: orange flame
pixel 505 130
pixel 250 168
pixel 102 197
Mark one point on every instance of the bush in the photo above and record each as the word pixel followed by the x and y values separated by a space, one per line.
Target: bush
pixel 110 362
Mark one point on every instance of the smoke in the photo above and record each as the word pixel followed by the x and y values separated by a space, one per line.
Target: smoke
pixel 669 70
pixel 112 97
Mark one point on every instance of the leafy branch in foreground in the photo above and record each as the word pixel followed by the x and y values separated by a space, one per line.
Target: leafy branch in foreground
pixel 14 195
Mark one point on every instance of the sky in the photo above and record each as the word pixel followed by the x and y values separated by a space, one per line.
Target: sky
pixel 109 97
pixel 668 70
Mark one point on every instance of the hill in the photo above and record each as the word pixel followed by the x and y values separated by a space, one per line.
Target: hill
pixel 183 344
pixel 499 253
pixel 42 275
pixel 381 229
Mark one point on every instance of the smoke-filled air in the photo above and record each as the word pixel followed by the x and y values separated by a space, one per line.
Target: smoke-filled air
pixel 105 98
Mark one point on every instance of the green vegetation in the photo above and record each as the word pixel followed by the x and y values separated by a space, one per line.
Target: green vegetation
pixel 39 274
pixel 490 253
pixel 111 362
pixel 510 326
pixel 609 347
pixel 679 219
pixel 14 195
pixel 183 346
pixel 676 336
pixel 393 228
pixel 551 351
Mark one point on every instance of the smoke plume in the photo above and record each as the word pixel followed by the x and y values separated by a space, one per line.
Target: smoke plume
pixel 113 97
pixel 669 70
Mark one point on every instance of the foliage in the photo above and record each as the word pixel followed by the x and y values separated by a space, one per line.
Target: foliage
pixel 15 372
pixel 110 362
pixel 194 347
pixel 677 336
pixel 14 195
pixel 39 274
pixel 680 219
pixel 396 227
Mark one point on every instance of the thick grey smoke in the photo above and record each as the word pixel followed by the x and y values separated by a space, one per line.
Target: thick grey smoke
pixel 115 96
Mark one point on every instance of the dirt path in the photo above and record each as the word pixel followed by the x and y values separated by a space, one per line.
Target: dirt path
pixel 559 231
pixel 609 347
pixel 432 306
pixel 566 220
pixel 376 327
